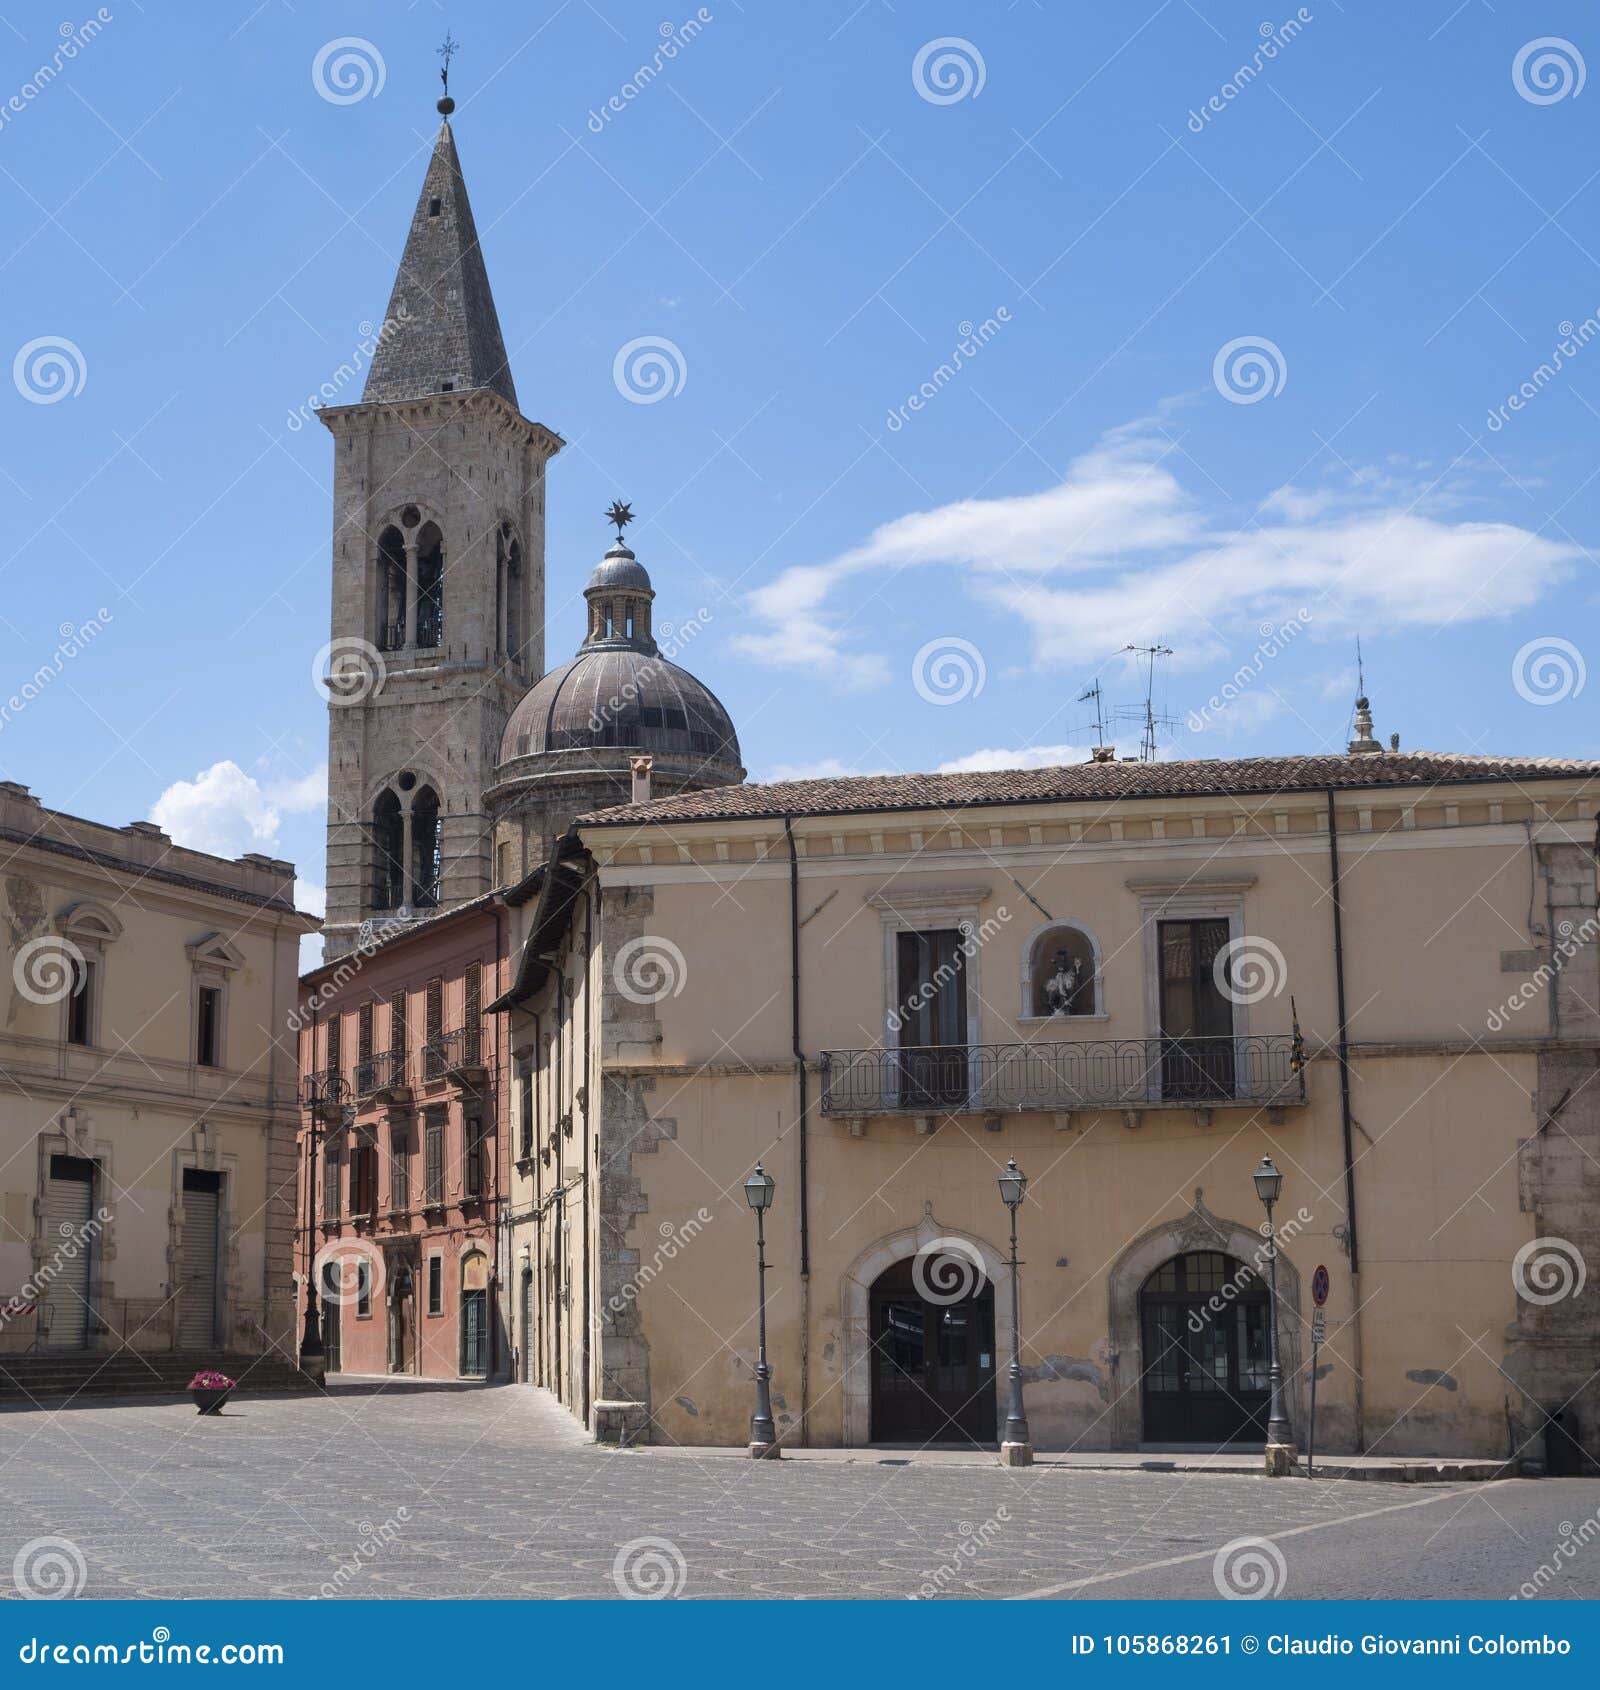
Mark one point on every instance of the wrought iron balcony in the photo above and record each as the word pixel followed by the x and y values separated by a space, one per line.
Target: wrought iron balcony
pixel 454 1055
pixel 1051 1075
pixel 327 1094
pixel 384 1076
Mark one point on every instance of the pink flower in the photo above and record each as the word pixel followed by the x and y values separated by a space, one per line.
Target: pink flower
pixel 209 1381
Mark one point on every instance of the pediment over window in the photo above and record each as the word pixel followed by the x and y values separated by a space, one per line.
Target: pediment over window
pixel 214 951
pixel 89 923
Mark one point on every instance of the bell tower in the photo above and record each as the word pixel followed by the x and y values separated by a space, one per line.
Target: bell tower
pixel 438 579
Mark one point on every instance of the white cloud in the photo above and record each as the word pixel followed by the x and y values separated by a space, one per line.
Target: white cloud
pixel 826 768
pixel 1121 551
pixel 1031 757
pixel 227 812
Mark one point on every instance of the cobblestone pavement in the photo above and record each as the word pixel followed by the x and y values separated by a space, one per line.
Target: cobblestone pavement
pixel 496 1493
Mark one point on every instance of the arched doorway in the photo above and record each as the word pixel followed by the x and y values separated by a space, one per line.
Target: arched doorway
pixel 475 1315
pixel 1203 1319
pixel 933 1355
pixel 402 1320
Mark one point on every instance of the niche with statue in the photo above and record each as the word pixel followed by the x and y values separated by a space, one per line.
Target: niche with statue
pixel 1063 978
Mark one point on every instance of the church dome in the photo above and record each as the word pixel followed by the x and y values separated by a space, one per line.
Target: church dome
pixel 626 698
pixel 619 692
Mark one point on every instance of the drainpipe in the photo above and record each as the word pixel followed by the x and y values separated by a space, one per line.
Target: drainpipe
pixel 1351 1235
pixel 804 1107
pixel 593 1103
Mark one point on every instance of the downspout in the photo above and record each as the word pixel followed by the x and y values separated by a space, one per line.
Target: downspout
pixel 588 1142
pixel 804 1108
pixel 502 1158
pixel 1351 1235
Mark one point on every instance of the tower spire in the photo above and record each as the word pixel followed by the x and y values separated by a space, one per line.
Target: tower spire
pixel 442 332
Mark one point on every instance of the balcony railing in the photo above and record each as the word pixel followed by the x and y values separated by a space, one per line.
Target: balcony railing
pixel 385 1074
pixel 326 1092
pixel 1040 1074
pixel 458 1053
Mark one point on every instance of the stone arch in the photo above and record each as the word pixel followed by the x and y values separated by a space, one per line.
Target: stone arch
pixel 1199 1229
pixel 855 1313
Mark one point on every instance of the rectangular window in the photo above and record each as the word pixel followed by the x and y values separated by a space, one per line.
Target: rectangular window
pixel 400 1170
pixel 1197 1057
pixel 435 1284
pixel 931 1006
pixel 208 1034
pixel 364 1180
pixel 397 1039
pixel 335 1063
pixel 363 1290
pixel 433 1157
pixel 365 1078
pixel 80 1005
pixel 472 1012
pixel 525 1108
pixel 433 1050
pixel 330 1185
pixel 473 1170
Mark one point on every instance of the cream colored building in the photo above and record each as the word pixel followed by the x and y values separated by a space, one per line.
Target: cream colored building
pixel 883 988
pixel 148 1112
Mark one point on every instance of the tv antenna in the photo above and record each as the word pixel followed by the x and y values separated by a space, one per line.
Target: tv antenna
pixel 1093 691
pixel 1147 717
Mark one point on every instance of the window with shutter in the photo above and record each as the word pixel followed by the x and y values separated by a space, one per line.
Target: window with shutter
pixel 400 1170
pixel 330 1184
pixel 433 1053
pixel 472 1012
pixel 433 1172
pixel 335 1056
pixel 397 1039
pixel 472 1172
pixel 525 1108
pixel 365 1077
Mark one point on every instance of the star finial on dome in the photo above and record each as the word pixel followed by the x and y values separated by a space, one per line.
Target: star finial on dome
pixel 621 515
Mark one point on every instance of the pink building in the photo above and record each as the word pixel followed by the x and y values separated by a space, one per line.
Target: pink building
pixel 403 1168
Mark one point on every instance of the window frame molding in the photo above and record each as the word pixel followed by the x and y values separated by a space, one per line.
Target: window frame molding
pixel 212 962
pixel 1199 900
pixel 91 928
pixel 923 910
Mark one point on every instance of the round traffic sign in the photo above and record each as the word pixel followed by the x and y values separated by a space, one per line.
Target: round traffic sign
pixel 1319 1286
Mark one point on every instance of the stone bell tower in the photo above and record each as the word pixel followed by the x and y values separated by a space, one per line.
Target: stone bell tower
pixel 438 579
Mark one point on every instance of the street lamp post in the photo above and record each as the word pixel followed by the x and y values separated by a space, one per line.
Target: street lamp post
pixel 1016 1447
pixel 758 1191
pixel 313 1353
pixel 1280 1440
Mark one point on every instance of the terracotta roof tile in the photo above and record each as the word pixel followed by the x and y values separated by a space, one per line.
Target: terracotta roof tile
pixel 1089 783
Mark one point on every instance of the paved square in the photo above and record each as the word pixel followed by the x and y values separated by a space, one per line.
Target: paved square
pixel 494 1492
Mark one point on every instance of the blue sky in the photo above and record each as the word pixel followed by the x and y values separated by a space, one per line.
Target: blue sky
pixel 1391 234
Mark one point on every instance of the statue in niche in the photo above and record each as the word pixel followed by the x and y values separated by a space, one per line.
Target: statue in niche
pixel 1061 989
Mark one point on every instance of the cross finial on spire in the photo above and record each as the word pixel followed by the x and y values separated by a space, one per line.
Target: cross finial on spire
pixel 621 515
pixel 446 51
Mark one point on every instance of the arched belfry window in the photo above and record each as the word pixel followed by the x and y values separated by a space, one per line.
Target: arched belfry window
pixel 426 863
pixel 513 599
pixel 388 852
pixel 391 590
pixel 407 846
pixel 1062 977
pixel 430 585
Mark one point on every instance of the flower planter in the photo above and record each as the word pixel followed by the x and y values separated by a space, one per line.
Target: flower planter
pixel 211 1390
pixel 210 1402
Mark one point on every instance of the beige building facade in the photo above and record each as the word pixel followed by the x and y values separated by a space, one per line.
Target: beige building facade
pixel 148 1114
pixel 1136 979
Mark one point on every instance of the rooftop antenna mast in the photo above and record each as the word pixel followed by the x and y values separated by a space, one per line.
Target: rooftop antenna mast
pixel 1147 741
pixel 1093 691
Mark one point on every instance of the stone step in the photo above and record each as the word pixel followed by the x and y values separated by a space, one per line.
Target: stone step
pixel 37 1375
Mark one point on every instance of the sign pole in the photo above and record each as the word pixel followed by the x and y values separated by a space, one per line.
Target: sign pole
pixel 1319 1327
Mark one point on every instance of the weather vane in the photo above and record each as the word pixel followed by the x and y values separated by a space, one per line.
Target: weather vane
pixel 445 52
pixel 621 515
